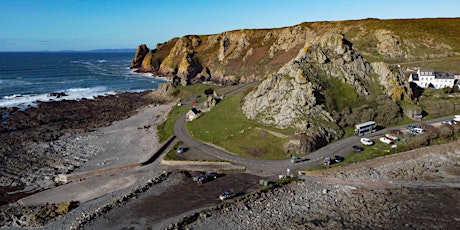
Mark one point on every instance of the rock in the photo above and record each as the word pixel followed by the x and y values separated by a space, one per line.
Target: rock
pixel 141 52
pixel 57 94
pixel 389 44
pixel 394 81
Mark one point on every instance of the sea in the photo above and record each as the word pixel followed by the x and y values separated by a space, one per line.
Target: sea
pixel 27 78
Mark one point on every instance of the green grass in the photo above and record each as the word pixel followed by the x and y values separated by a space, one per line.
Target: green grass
pixel 166 129
pixel 226 126
pixel 172 154
pixel 340 95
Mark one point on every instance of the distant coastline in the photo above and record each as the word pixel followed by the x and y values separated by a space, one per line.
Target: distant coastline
pixel 127 50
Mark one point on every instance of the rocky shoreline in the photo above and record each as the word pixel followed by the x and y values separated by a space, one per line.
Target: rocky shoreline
pixel 376 194
pixel 38 143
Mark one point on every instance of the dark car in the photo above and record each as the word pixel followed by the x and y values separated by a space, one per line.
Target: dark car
pixel 202 179
pixel 339 159
pixel 357 148
pixel 226 195
pixel 414 126
pixel 212 174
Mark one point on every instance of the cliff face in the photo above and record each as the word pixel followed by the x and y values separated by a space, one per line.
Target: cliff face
pixel 249 55
pixel 316 78
pixel 296 96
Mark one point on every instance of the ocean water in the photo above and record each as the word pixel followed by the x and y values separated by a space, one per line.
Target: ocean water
pixel 27 78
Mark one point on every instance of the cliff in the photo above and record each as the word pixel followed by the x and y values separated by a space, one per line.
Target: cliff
pixel 316 78
pixel 327 76
pixel 252 54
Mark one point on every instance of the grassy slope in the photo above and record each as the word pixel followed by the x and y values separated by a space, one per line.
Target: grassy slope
pixel 419 37
pixel 226 126
pixel 187 93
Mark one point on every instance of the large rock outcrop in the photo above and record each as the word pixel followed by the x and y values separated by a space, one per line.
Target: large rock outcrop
pixel 295 96
pixel 252 54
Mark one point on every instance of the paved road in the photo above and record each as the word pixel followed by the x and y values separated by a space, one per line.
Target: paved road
pixel 274 167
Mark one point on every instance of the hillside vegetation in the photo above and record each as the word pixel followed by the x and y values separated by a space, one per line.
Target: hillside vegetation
pixel 317 79
pixel 252 54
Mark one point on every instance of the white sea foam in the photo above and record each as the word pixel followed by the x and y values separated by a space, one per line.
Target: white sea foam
pixel 24 101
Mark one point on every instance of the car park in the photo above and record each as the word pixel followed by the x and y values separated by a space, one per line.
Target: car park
pixel 366 141
pixel 386 140
pixel 226 195
pixel 357 148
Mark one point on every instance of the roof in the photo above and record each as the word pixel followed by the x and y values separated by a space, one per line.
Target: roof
pixel 423 71
pixel 444 75
pixel 195 111
pixel 365 124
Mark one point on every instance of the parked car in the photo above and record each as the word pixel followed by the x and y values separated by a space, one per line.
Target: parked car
pixel 366 141
pixel 196 178
pixel 327 161
pixel 202 179
pixel 294 159
pixel 417 130
pixel 414 127
pixel 180 149
pixel 457 118
pixel 357 148
pixel 391 137
pixel 449 122
pixel 386 140
pixel 212 174
pixel 226 195
pixel 338 159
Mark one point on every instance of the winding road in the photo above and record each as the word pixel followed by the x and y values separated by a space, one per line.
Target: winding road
pixel 275 167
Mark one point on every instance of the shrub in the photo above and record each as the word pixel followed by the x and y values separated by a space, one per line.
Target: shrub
pixel 418 141
pixel 446 131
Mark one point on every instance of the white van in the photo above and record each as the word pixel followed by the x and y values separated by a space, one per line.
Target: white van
pixel 457 118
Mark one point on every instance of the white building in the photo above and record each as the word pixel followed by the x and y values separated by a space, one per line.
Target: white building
pixel 429 78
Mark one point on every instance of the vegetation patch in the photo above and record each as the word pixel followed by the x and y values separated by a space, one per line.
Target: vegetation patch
pixel 186 94
pixel 226 126
pixel 166 129
pixel 171 155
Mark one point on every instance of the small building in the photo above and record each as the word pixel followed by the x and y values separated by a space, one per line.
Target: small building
pixel 430 79
pixel 192 114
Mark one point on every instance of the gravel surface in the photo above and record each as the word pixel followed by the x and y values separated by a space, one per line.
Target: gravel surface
pixel 354 198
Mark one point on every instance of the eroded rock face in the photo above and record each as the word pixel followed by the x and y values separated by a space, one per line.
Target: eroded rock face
pixel 389 44
pixel 393 80
pixel 290 97
pixel 141 52
pixel 252 54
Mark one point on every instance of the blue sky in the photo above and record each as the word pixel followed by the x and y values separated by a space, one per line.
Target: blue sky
pixel 35 25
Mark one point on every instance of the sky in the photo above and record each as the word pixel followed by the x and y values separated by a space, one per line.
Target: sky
pixel 54 25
